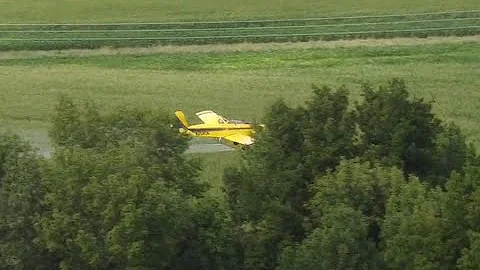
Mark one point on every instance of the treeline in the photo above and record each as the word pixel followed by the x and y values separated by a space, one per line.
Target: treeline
pixel 332 184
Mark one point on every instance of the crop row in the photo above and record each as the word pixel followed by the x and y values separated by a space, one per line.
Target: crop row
pixel 64 36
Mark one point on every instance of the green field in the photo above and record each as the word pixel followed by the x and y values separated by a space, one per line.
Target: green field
pixel 238 81
pixel 213 165
pixel 240 84
pixel 236 58
pixel 141 24
pixel 80 11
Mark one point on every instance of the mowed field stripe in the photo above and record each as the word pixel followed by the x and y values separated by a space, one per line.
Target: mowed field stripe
pixel 94 35
pixel 240 47
pixel 252 21
pixel 245 36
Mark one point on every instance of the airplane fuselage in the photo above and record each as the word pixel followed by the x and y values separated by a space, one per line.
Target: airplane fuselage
pixel 220 131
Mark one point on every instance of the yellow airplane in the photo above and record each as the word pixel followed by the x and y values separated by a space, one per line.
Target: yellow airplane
pixel 230 132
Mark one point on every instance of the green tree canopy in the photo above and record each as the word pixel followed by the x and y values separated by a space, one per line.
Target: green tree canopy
pixel 412 230
pixel 155 144
pixel 339 243
pixel 268 192
pixel 403 131
pixel 106 211
pixel 120 193
pixel 362 186
pixel 21 194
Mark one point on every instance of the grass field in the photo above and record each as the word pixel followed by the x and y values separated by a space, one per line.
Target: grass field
pixel 213 165
pixel 56 11
pixel 238 81
pixel 240 84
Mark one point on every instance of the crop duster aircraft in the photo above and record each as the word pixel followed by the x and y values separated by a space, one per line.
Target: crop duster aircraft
pixel 230 132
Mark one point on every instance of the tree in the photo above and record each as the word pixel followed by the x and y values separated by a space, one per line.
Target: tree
pixel 412 228
pixel 396 130
pixel 432 228
pixel 339 243
pixel 451 154
pixel 471 256
pixel 107 211
pixel 208 241
pixel 404 132
pixel 66 122
pixel 268 192
pixel 147 131
pixel 329 129
pixel 21 193
pixel 121 194
pixel 270 169
pixel 360 185
pixel 453 218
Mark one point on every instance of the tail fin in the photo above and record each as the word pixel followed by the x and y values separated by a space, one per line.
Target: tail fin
pixel 181 116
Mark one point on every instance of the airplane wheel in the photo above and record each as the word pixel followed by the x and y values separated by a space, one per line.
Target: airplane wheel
pixel 238 146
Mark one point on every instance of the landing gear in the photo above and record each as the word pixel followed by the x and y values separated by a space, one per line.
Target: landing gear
pixel 242 147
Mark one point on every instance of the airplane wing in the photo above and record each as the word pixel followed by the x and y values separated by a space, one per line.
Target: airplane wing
pixel 240 138
pixel 211 118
